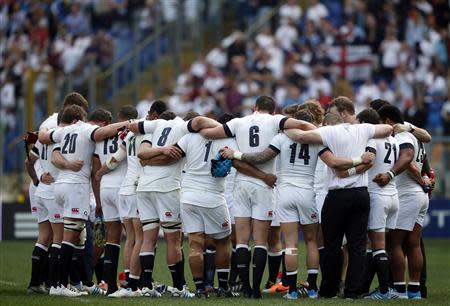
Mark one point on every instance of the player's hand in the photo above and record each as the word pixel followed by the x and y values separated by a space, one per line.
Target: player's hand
pixel 400 128
pixel 227 153
pixel 98 211
pixel 134 127
pixel 144 162
pixel 173 151
pixel 382 179
pixel 270 180
pixel 367 157
pixel 75 165
pixel 35 182
pixel 47 178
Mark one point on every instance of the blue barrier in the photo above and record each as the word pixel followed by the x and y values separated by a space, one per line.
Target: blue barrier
pixel 437 220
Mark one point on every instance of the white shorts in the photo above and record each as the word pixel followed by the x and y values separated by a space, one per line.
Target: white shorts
pixel 320 199
pixel 53 212
pixel 75 198
pixel 38 209
pixel 164 206
pixel 230 204
pixel 296 205
pixel 128 206
pixel 109 198
pixel 253 200
pixel 412 209
pixel 211 221
pixel 383 211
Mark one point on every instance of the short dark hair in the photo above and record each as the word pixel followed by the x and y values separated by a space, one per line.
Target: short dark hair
pixel 75 98
pixel 158 106
pixel 100 115
pixel 342 104
pixel 127 112
pixel 167 115
pixel 72 113
pixel 225 118
pixel 378 103
pixel 265 103
pixel 391 112
pixel 304 115
pixel 332 119
pixel 368 115
pixel 190 115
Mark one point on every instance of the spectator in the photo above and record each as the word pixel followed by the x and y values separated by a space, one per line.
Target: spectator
pixel 144 105
pixel 390 48
pixel 290 10
pixel 76 22
pixel 316 12
pixel 367 92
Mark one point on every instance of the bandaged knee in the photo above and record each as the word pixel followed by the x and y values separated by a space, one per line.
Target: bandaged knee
pixel 171 227
pixel 291 251
pixel 150 225
pixel 83 237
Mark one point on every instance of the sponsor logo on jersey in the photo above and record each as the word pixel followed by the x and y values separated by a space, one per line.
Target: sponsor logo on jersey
pixel 75 210
pixel 34 209
pixel 168 214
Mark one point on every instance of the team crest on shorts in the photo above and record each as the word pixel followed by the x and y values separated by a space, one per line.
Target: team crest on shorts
pixel 168 214
pixel 270 213
pixel 313 216
pixel 57 216
pixel 75 210
pixel 34 209
pixel 225 224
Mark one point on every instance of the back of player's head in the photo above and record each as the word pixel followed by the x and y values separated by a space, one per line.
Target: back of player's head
pixel 158 107
pixel 378 103
pixel 225 118
pixel 342 104
pixel 290 110
pixel 304 115
pixel 75 98
pixel 190 115
pixel 167 115
pixel 265 104
pixel 390 112
pixel 127 112
pixel 332 119
pixel 72 113
pixel 314 108
pixel 101 116
pixel 368 115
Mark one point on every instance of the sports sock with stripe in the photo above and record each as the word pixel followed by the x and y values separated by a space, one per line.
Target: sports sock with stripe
pixel 209 266
pixel 37 259
pixel 381 263
pixel 147 260
pixel 291 280
pixel 274 261
pixel 312 278
pixel 67 249
pixel 222 275
pixel 243 254
pixel 53 264
pixel 233 267
pixel 111 261
pixel 259 264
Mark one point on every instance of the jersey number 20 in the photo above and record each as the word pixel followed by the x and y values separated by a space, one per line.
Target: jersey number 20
pixel 70 141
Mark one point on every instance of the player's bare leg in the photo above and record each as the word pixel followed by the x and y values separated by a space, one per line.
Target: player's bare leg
pixel 290 233
pixel 243 253
pixel 415 260
pixel 209 265
pixel 129 245
pixel 39 258
pixel 112 252
pixel 135 265
pixel 312 256
pixel 174 256
pixel 380 259
pixel 196 260
pixel 397 260
pixel 260 231
pixel 275 255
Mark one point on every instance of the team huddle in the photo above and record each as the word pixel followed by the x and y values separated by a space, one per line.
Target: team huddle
pixel 356 186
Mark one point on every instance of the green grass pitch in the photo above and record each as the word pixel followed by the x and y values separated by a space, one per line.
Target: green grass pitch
pixel 15 270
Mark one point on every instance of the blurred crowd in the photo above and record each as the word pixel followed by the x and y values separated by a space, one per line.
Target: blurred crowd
pixel 408 59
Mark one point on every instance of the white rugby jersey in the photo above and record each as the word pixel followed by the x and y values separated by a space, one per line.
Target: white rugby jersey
pixel 76 144
pixel 386 152
pixel 44 152
pixel 197 170
pixel 104 150
pixel 51 122
pixel 346 140
pixel 134 168
pixel 162 133
pixel 404 181
pixel 297 161
pixel 320 177
pixel 253 134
